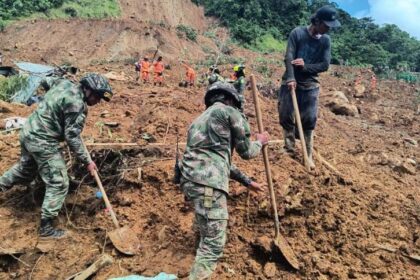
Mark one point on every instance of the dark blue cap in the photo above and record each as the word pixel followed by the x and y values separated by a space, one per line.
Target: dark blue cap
pixel 328 15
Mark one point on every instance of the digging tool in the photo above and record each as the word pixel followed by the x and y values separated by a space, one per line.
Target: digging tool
pixel 279 241
pixel 300 129
pixel 123 238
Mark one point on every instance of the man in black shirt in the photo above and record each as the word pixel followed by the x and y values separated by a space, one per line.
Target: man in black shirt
pixel 308 53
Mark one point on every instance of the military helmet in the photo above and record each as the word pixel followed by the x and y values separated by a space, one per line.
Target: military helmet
pixel 224 88
pixel 98 84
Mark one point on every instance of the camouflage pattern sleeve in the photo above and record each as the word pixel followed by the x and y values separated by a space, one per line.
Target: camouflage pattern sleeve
pixel 241 134
pixel 238 176
pixel 74 120
pixel 48 82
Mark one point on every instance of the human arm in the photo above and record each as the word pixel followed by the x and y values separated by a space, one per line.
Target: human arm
pixel 74 120
pixel 237 175
pixel 290 56
pixel 324 63
pixel 241 134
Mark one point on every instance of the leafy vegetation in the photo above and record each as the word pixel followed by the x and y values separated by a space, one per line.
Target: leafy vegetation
pixel 18 9
pixel 186 31
pixel 265 24
pixel 9 86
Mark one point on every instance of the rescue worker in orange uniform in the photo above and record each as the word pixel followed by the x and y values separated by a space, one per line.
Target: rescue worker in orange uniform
pixel 158 68
pixel 144 66
pixel 373 82
pixel 189 75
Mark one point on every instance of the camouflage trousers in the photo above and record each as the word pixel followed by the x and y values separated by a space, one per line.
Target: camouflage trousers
pixel 211 218
pixel 45 159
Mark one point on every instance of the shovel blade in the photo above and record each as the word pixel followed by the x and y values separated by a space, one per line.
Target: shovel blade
pixel 283 246
pixel 125 241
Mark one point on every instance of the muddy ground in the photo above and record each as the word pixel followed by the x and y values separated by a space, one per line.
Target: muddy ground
pixel 360 224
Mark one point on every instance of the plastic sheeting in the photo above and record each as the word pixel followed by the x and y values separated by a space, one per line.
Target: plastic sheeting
pixel 36 73
pixel 160 276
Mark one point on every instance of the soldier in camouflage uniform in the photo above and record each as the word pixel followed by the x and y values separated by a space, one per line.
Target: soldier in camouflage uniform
pixel 59 117
pixel 214 75
pixel 240 82
pixel 206 168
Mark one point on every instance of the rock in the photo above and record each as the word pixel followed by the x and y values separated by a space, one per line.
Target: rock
pixel 112 124
pixel 253 266
pixel 71 54
pixel 116 76
pixel 339 104
pixel 359 91
pixel 104 114
pixel 270 270
pixel 406 168
pixel 411 141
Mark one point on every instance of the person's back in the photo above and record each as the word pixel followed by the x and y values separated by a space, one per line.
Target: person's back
pixel 207 158
pixel 145 66
pixel 158 67
pixel 63 100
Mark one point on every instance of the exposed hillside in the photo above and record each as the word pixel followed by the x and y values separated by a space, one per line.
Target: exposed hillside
pixel 144 26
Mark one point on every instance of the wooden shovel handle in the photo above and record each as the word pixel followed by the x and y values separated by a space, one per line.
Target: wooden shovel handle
pixel 300 129
pixel 106 200
pixel 265 156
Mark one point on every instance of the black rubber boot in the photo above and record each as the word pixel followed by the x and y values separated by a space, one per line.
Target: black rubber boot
pixel 309 141
pixel 289 141
pixel 47 231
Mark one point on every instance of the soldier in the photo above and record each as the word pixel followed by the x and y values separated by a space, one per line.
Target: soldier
pixel 206 168
pixel 59 117
pixel 308 53
pixel 240 82
pixel 214 75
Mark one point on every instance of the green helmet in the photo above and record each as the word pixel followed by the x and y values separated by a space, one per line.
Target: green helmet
pixel 98 84
pixel 221 89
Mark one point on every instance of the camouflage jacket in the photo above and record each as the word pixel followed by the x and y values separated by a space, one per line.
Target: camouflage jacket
pixel 211 139
pixel 59 117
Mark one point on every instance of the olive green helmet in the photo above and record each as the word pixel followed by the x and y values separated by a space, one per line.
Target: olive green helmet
pixel 219 89
pixel 98 84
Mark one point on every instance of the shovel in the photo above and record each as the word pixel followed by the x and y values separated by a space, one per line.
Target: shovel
pixel 279 241
pixel 123 238
pixel 300 129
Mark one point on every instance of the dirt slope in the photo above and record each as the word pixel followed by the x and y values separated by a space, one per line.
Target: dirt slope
pixel 144 25
pixel 340 229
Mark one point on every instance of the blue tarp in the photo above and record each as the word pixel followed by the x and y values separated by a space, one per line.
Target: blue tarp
pixel 160 276
pixel 34 68
pixel 36 73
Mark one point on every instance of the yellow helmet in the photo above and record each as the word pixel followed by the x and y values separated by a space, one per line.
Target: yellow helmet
pixel 238 67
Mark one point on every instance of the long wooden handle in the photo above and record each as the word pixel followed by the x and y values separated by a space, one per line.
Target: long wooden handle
pixel 265 156
pixel 300 129
pixel 106 200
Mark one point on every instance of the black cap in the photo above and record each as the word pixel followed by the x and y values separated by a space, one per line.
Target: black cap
pixel 328 15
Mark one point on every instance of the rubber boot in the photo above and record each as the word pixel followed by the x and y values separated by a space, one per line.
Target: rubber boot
pixel 289 141
pixel 309 141
pixel 47 231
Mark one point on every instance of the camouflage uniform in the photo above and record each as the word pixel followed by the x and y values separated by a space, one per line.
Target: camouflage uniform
pixel 240 84
pixel 59 117
pixel 206 168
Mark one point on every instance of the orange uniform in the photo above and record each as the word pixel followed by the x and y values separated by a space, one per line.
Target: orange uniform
pixel 373 83
pixel 190 76
pixel 158 68
pixel 145 65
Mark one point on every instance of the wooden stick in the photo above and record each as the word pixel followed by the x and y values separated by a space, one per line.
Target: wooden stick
pixel 104 260
pixel 265 156
pixel 300 129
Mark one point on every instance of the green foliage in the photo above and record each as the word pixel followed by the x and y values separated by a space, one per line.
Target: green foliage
pixel 9 86
pixel 19 9
pixel 267 43
pixel 407 77
pixel 186 31
pixel 264 24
